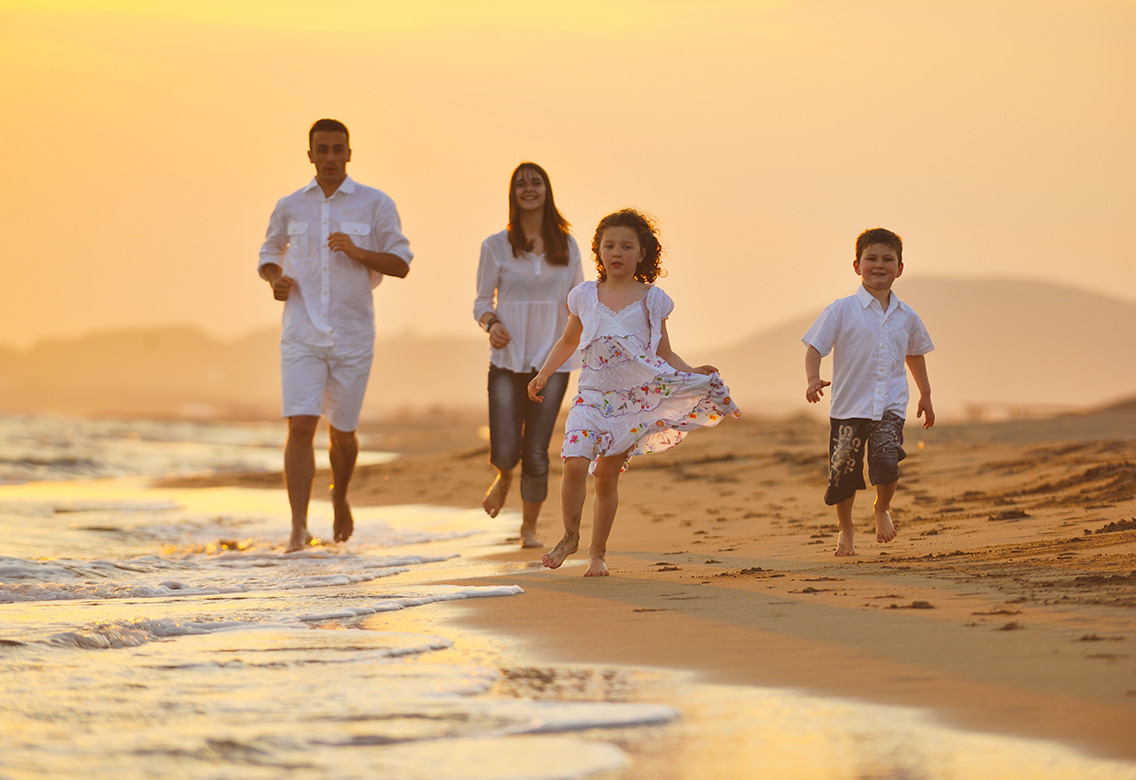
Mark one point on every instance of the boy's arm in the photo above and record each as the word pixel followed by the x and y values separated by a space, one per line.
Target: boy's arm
pixel 918 366
pixel 815 389
pixel 561 351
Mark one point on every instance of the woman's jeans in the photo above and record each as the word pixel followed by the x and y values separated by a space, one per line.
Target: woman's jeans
pixel 520 429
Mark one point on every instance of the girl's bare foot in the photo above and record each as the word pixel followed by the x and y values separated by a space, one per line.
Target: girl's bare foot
pixel 344 524
pixel 558 554
pixel 885 531
pixel 495 496
pixel 528 535
pixel 596 568
pixel 844 545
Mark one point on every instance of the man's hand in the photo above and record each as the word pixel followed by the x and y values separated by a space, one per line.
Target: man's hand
pixel 282 287
pixel 341 242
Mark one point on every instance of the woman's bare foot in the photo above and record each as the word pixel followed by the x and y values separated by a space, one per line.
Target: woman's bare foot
pixel 558 554
pixel 844 545
pixel 495 496
pixel 596 568
pixel 885 531
pixel 528 535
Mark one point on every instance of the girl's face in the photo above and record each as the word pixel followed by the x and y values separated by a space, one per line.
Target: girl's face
pixel 620 252
pixel 529 189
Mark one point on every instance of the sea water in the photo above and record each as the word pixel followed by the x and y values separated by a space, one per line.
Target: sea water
pixel 150 632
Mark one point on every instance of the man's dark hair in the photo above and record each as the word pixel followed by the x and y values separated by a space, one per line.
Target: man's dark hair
pixel 328 126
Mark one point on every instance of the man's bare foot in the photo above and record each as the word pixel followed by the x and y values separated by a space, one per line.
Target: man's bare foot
pixel 495 496
pixel 558 554
pixel 299 540
pixel 528 535
pixel 844 545
pixel 885 531
pixel 596 568
pixel 344 524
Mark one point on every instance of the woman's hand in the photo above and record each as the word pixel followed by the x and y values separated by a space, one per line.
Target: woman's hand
pixel 499 337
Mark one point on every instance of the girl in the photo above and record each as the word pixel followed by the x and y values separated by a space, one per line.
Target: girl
pixel 523 280
pixel 635 394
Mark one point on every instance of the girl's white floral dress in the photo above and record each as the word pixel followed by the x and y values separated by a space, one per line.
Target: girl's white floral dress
pixel 629 398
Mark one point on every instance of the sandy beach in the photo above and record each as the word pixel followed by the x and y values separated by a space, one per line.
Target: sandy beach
pixel 1007 605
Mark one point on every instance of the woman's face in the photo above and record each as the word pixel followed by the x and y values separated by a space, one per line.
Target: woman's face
pixel 529 189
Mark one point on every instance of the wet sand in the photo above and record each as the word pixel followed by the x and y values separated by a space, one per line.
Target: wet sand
pixel 1006 605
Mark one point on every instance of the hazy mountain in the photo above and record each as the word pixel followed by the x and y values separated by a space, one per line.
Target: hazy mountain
pixel 1003 347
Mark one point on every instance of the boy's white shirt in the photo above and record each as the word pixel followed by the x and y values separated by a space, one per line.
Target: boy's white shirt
pixel 870 348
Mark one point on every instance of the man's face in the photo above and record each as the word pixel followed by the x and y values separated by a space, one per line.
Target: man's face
pixel 330 155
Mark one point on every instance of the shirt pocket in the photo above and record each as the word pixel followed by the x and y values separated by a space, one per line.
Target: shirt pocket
pixel 355 228
pixel 297 237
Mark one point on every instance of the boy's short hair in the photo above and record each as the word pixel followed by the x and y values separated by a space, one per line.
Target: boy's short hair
pixel 879 235
pixel 328 126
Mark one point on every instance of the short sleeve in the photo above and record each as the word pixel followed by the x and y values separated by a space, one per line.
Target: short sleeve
pixel 576 299
pixel 918 339
pixel 659 304
pixel 822 335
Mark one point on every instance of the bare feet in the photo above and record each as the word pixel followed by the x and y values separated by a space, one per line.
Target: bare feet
pixel 558 554
pixel 844 545
pixel 885 531
pixel 495 496
pixel 299 540
pixel 344 524
pixel 528 535
pixel 596 568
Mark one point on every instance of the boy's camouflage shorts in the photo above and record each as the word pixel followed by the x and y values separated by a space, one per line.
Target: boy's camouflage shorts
pixel 848 440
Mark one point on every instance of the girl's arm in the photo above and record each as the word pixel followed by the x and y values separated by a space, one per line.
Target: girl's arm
pixel 674 361
pixel 561 351
pixel 918 366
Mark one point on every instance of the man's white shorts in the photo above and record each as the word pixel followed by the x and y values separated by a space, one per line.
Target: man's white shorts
pixel 325 380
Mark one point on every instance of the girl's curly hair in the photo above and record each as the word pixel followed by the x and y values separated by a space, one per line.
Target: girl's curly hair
pixel 650 267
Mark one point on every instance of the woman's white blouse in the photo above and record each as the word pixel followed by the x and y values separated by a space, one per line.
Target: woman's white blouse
pixel 529 296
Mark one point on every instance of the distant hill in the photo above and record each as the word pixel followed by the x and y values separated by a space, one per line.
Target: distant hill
pixel 1004 348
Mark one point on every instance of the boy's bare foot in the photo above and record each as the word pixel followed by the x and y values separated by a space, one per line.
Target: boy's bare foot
pixel 885 531
pixel 344 524
pixel 558 554
pixel 844 545
pixel 528 535
pixel 596 568
pixel 495 496
pixel 299 540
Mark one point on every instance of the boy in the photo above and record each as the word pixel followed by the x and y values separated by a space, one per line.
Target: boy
pixel 871 334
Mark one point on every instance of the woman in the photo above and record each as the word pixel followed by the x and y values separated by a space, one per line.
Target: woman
pixel 523 280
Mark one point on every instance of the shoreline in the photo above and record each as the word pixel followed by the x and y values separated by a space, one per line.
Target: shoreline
pixel 1007 605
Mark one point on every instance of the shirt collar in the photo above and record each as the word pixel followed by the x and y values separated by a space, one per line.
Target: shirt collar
pixel 866 298
pixel 348 186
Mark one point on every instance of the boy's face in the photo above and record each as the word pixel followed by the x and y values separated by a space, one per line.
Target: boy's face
pixel 878 267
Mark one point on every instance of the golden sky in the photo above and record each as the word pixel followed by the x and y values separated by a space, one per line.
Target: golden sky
pixel 148 141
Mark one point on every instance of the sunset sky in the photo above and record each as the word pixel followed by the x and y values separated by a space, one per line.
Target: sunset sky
pixel 148 141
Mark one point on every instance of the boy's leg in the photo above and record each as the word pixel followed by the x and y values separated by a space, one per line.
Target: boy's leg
pixel 299 471
pixel 573 491
pixel 845 476
pixel 845 542
pixel 885 451
pixel 604 507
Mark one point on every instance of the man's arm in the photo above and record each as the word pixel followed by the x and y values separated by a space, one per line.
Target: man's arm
pixel 281 284
pixel 385 263
pixel 918 366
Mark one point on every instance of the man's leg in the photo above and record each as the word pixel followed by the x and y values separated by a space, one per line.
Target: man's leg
pixel 343 454
pixel 299 471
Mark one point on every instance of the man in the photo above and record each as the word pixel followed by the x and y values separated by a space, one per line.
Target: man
pixel 328 245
